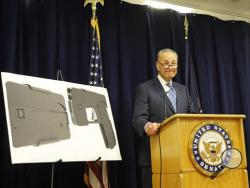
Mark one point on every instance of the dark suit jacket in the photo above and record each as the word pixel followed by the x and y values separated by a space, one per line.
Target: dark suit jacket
pixel 153 105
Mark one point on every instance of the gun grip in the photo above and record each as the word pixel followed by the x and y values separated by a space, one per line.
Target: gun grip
pixel 106 127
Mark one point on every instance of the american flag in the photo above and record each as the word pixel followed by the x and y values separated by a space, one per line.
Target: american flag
pixel 95 174
pixel 95 71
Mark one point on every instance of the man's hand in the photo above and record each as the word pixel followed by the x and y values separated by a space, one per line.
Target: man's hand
pixel 151 128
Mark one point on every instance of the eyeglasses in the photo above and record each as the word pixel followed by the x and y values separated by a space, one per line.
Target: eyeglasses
pixel 167 65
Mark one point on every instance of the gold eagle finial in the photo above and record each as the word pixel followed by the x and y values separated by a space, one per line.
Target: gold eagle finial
pixel 93 2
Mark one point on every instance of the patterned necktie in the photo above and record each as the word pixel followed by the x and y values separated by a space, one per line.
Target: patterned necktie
pixel 172 96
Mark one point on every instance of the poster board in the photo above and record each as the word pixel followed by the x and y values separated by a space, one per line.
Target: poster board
pixel 50 120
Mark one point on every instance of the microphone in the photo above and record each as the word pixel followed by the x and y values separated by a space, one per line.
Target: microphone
pixel 165 106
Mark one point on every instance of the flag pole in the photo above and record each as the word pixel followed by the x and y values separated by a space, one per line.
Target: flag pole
pixel 186 25
pixel 190 76
pixel 96 173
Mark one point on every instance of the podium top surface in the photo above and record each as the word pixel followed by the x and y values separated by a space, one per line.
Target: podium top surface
pixel 242 116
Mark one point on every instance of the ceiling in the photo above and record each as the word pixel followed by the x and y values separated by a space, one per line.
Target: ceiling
pixel 224 9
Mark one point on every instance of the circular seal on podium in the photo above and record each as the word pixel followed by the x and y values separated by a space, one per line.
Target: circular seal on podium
pixel 207 143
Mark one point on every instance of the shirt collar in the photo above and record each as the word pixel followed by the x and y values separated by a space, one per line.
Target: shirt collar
pixel 164 82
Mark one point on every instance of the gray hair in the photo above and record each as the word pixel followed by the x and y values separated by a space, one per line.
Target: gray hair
pixel 166 50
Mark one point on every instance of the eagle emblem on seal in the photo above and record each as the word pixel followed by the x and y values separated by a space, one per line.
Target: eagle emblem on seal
pixel 212 151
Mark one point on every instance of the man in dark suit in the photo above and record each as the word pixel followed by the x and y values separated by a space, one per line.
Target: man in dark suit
pixel 153 104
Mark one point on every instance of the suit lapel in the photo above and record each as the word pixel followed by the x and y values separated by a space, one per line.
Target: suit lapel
pixel 159 89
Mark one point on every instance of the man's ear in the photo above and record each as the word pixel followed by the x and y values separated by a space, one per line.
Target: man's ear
pixel 157 66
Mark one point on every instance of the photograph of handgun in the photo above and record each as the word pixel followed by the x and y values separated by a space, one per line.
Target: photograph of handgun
pixel 37 116
pixel 81 102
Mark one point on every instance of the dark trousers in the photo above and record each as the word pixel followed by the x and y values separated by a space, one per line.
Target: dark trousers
pixel 145 177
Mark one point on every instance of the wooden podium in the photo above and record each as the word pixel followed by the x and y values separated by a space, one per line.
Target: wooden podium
pixel 171 153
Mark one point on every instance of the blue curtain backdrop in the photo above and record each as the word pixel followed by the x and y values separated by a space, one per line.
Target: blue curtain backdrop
pixel 38 37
